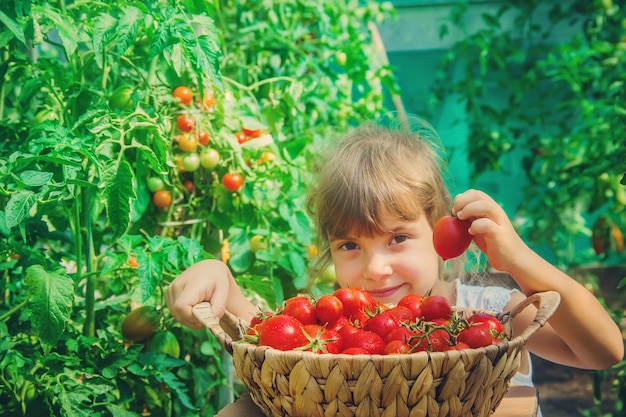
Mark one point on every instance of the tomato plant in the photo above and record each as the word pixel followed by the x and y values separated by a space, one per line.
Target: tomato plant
pixel 232 181
pixel 164 342
pixel 451 237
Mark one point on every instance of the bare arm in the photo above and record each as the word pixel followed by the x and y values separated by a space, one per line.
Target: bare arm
pixel 208 280
pixel 580 333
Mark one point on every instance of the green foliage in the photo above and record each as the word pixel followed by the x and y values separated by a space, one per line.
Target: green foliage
pixel 87 116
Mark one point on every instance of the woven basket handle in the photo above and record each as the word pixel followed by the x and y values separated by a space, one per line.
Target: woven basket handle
pixel 226 330
pixel 547 302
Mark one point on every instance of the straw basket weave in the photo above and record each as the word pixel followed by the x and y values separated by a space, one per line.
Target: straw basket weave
pixel 469 382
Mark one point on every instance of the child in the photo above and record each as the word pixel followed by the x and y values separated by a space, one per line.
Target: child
pixel 378 195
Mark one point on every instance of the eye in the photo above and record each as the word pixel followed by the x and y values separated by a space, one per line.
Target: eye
pixel 399 239
pixel 348 246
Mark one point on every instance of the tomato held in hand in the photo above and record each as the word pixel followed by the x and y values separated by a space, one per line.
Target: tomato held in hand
pixel 232 181
pixel 451 237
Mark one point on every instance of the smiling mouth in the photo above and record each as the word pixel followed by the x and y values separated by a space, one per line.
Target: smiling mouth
pixel 384 292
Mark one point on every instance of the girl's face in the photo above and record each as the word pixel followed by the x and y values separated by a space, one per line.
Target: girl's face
pixel 390 265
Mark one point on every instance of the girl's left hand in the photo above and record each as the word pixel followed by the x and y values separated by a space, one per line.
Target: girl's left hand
pixel 492 230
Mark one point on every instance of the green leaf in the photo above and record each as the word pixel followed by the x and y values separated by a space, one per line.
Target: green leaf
pixel 19 206
pixel 117 411
pixel 118 190
pixel 50 298
pixel 127 29
pixel 14 27
pixel 67 30
pixel 35 178
pixel 102 31
pixel 150 272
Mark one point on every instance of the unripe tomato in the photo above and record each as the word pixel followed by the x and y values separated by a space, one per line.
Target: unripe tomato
pixel 141 323
pixel 155 184
pixel 185 123
pixel 191 162
pixel 165 343
pixel 341 58
pixel 451 237
pixel 183 94
pixel 232 181
pixel 209 158
pixel 187 142
pixel 257 243
pixel 203 137
pixel 266 157
pixel 122 99
pixel 162 198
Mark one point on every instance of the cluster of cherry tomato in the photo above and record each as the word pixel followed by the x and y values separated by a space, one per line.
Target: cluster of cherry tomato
pixel 350 321
pixel 192 150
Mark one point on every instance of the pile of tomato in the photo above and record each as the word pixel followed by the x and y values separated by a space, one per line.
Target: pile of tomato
pixel 350 321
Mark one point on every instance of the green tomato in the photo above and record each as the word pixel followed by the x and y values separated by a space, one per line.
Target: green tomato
pixel 122 98
pixel 257 243
pixel 210 158
pixel 155 184
pixel 191 162
pixel 341 58
pixel 164 342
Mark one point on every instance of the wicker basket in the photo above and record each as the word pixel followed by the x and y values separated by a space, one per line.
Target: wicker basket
pixel 470 382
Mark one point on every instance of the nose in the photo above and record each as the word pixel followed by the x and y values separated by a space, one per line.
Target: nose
pixel 377 266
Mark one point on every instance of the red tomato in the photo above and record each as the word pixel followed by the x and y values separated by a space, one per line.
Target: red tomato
pixel 301 308
pixel 402 333
pixel 369 341
pixel 322 340
pixel 241 137
pixel 232 181
pixel 260 317
pixel 347 331
pixel 459 346
pixel 382 324
pixel 183 94
pixel 404 314
pixel 396 346
pixel 162 198
pixel 434 341
pixel 185 123
pixel 436 307
pixel 252 133
pixel 339 324
pixel 413 302
pixel 328 309
pixel 350 301
pixel 189 185
pixel 451 237
pixel 475 336
pixel 355 351
pixel 132 261
pixel 487 320
pixel 203 137
pixel 282 332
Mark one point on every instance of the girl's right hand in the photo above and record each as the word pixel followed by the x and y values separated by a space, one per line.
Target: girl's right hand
pixel 208 280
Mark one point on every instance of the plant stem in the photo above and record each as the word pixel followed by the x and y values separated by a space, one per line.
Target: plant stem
pixel 90 287
pixel 13 310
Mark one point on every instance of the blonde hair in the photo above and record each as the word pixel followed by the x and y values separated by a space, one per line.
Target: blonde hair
pixel 376 169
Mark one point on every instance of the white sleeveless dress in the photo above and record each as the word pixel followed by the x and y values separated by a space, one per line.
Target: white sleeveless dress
pixel 490 298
